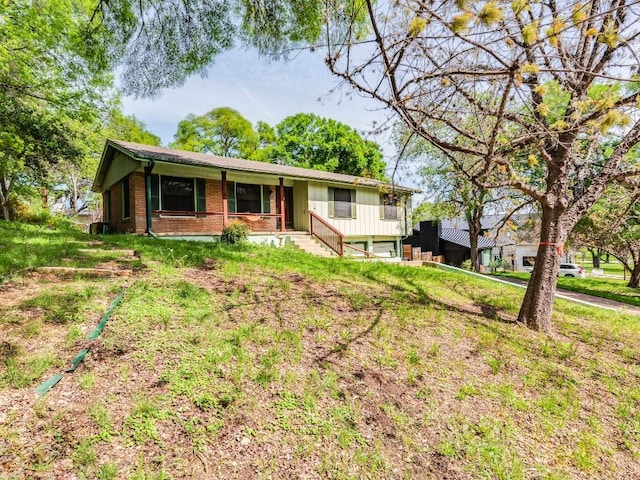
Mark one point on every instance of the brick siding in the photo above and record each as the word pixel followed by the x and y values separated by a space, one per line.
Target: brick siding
pixel 179 225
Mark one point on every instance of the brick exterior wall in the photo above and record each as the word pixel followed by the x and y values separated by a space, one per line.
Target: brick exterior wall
pixel 179 225
pixel 118 224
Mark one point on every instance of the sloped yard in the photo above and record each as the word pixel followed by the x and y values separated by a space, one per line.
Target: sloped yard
pixel 251 362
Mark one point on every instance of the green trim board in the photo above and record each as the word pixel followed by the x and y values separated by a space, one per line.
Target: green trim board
pixel 47 385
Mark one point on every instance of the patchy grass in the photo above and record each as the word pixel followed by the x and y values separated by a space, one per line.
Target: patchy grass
pixel 250 362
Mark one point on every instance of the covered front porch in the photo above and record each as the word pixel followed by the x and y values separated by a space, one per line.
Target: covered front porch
pixel 180 206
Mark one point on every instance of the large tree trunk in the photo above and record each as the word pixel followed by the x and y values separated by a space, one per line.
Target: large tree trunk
pixel 474 231
pixel 537 305
pixel 474 223
pixel 634 279
pixel 4 199
pixel 475 264
pixel 595 256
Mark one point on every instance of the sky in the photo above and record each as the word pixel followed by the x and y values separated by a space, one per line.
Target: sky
pixel 263 90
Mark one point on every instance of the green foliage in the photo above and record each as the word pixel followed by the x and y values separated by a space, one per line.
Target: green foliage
pixel 612 226
pixel 161 44
pixel 500 265
pixel 53 89
pixel 129 129
pixel 308 141
pixel 302 140
pixel 235 232
pixel 222 131
pixel 428 211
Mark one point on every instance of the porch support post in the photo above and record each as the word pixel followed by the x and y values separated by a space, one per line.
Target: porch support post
pixel 147 195
pixel 225 200
pixel 282 215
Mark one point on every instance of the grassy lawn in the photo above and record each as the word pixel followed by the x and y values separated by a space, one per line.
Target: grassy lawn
pixel 251 362
pixel 611 288
pixel 612 268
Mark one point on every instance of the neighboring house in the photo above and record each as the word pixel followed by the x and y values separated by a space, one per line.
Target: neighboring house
pixel 174 193
pixel 513 241
pixel 59 201
pixel 453 243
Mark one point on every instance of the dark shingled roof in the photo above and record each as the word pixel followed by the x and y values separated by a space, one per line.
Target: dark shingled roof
pixel 462 238
pixel 161 154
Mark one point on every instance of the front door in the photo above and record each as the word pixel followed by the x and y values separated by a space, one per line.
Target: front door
pixel 288 206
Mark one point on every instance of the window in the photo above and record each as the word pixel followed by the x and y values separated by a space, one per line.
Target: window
pixel 106 206
pixel 126 207
pixel 177 194
pixel 248 198
pixel 342 203
pixel 389 204
pixel 384 248
pixel 528 261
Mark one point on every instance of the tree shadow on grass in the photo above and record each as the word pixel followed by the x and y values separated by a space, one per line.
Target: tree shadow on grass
pixel 342 347
pixel 408 286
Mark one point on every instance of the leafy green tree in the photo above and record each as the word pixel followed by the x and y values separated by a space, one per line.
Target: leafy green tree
pixel 52 81
pixel 516 95
pixel 424 211
pixel 129 129
pixel 32 139
pixel 222 131
pixel 309 141
pixel 613 225
pixel 268 140
pixel 453 194
pixel 77 173
pixel 161 43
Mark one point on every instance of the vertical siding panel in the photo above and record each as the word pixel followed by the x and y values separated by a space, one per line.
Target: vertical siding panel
pixel 121 166
pixel 301 205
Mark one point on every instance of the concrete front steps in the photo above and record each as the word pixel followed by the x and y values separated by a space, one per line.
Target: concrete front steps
pixel 311 245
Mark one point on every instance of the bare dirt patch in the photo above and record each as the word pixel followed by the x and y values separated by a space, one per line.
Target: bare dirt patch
pixel 257 374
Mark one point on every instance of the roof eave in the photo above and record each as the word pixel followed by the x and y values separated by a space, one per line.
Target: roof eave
pixel 150 156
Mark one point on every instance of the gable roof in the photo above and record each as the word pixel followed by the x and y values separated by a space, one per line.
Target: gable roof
pixel 147 153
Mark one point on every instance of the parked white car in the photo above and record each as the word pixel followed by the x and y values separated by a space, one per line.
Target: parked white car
pixel 566 270
pixel 571 270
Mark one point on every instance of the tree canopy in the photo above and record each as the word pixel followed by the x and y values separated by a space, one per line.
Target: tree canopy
pixel 222 131
pixel 302 140
pixel 52 85
pixel 309 141
pixel 160 44
pixel 612 225
pixel 517 95
pixel 129 129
